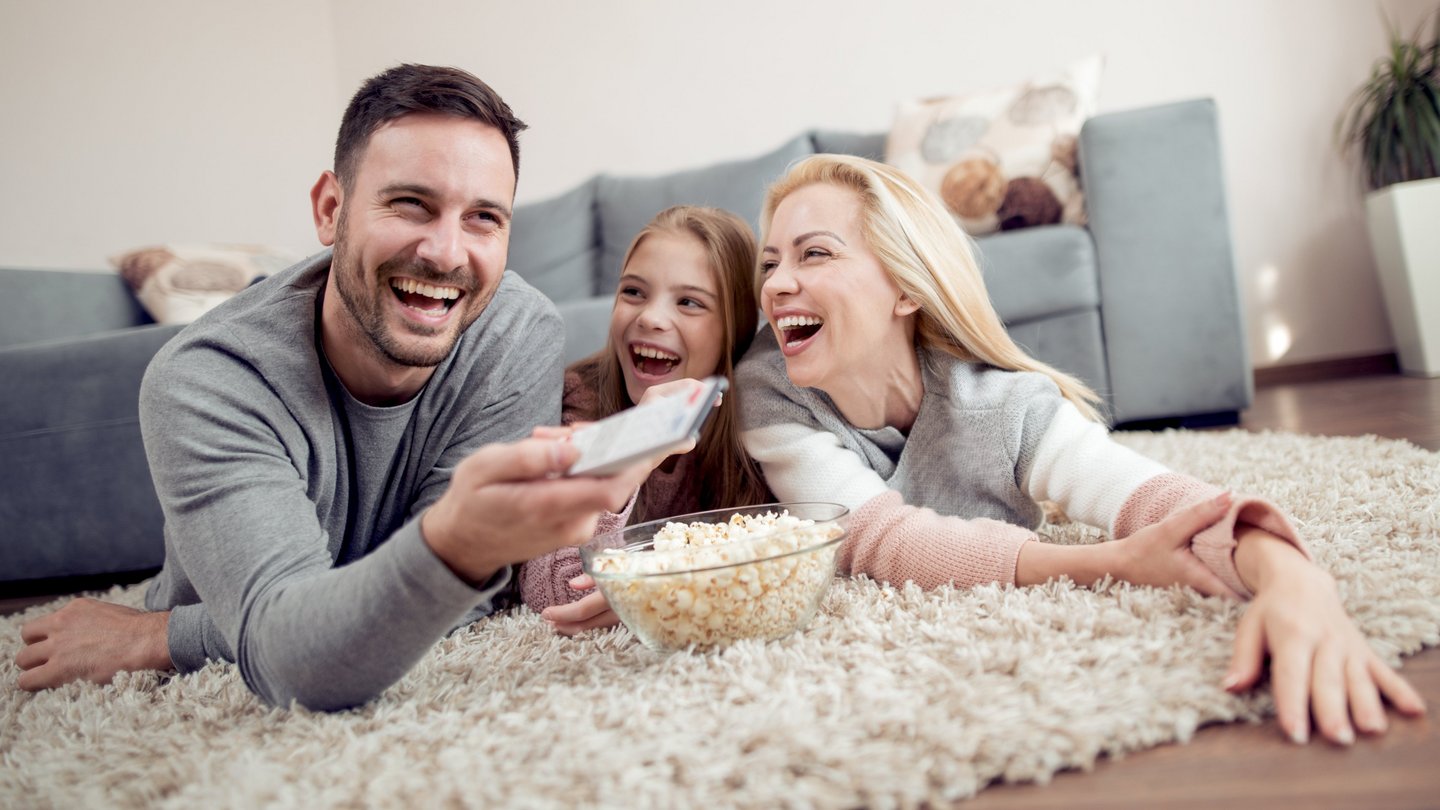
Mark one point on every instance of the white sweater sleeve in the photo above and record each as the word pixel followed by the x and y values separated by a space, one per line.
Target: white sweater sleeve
pixel 1080 467
pixel 803 463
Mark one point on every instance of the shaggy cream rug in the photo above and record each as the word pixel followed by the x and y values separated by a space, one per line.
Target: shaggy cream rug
pixel 891 698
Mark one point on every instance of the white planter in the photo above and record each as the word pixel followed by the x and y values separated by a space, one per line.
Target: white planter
pixel 1404 222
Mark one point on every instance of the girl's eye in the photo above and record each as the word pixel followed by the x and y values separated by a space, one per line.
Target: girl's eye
pixel 692 303
pixel 630 292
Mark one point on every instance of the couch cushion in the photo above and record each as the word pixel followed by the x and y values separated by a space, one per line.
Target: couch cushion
pixel 830 142
pixel 626 204
pixel 38 305
pixel 587 323
pixel 553 244
pixel 1039 272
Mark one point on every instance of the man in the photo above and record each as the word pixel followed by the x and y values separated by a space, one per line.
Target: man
pixel 328 446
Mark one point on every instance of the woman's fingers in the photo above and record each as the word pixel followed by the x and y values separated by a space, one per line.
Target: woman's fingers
pixel 1248 660
pixel 1395 688
pixel 1329 696
pixel 1290 686
pixel 1365 707
pixel 1182 526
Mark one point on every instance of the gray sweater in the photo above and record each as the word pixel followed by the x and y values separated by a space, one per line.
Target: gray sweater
pixel 292 532
pixel 968 452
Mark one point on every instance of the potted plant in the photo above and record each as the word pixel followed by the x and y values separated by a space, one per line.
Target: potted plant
pixel 1394 121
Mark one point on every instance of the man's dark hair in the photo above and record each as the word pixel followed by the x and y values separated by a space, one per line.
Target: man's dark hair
pixel 409 89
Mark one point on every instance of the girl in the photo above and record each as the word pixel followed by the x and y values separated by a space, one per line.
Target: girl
pixel 685 309
pixel 887 383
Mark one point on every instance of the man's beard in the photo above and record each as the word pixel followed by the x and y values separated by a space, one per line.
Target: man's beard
pixel 366 304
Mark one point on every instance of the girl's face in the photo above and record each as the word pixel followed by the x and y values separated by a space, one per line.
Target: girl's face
pixel 834 309
pixel 666 324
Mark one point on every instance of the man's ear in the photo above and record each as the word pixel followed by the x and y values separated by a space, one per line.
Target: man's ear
pixel 905 306
pixel 326 198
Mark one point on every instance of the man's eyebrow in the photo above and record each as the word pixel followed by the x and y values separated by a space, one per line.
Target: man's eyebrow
pixel 425 191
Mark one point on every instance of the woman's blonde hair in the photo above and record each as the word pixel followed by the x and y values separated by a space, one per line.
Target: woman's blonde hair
pixel 931 259
pixel 727 475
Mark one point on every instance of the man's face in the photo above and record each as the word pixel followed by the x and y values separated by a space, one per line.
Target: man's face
pixel 421 236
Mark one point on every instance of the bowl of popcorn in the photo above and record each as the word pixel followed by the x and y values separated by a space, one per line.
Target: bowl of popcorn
pixel 711 578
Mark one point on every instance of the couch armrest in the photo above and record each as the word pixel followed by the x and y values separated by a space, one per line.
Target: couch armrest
pixel 38 305
pixel 1170 304
pixel 75 492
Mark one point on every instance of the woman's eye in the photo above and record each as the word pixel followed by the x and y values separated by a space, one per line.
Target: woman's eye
pixel 815 253
pixel 766 267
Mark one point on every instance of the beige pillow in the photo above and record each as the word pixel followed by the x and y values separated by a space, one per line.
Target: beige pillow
pixel 179 283
pixel 1004 159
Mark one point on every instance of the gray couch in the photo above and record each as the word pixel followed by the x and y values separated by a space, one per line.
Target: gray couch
pixel 1142 304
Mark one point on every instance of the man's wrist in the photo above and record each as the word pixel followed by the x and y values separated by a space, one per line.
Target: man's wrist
pixel 435 534
pixel 158 657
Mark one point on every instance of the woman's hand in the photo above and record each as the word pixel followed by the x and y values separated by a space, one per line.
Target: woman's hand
pixel 1319 660
pixel 588 612
pixel 1160 554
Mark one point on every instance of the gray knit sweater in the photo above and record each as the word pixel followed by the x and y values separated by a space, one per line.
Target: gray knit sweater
pixel 968 451
pixel 292 533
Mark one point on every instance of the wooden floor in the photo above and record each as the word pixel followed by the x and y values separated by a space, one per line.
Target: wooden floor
pixel 1243 765
pixel 1254 766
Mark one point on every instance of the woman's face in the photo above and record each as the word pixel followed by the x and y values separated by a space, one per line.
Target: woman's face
pixel 834 309
pixel 667 324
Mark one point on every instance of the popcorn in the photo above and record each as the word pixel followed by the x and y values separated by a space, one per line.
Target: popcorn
pixel 708 584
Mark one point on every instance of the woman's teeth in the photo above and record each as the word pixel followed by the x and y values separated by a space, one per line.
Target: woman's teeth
pixel 798 328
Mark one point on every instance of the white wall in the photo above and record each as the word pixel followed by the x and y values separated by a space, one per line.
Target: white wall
pixel 152 121
pixel 108 160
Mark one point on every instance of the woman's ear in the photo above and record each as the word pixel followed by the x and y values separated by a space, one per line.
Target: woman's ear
pixel 905 306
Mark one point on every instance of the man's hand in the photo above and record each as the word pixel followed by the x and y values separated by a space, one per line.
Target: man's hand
pixel 90 640
pixel 507 503
pixel 586 613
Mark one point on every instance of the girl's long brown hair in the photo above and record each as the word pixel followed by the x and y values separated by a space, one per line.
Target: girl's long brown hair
pixel 728 477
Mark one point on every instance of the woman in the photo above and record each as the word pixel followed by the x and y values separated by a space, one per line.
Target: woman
pixel 887 382
pixel 684 310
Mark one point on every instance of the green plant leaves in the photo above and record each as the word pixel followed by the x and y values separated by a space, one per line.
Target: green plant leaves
pixel 1394 118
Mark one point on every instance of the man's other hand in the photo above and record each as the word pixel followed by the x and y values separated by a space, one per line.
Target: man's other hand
pixel 91 641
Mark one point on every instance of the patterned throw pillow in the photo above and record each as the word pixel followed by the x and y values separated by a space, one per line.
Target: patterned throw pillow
pixel 179 283
pixel 1004 159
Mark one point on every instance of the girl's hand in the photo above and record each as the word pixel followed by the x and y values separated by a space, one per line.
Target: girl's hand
pixel 587 613
pixel 1319 660
pixel 1160 554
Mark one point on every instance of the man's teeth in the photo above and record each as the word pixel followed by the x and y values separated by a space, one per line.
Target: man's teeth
pixel 410 285
pixel 654 353
pixel 792 321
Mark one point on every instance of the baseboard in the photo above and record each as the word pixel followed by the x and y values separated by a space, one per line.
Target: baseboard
pixel 1336 369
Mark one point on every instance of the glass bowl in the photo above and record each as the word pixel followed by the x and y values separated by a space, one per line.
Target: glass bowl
pixel 765 585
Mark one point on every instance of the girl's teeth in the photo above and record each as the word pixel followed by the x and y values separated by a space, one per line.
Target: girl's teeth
pixel 655 354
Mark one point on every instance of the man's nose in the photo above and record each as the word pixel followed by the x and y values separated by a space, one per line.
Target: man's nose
pixel 443 245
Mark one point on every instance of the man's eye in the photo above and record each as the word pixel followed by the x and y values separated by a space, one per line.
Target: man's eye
pixel 408 202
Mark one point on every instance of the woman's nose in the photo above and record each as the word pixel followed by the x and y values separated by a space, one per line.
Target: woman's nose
pixel 781 279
